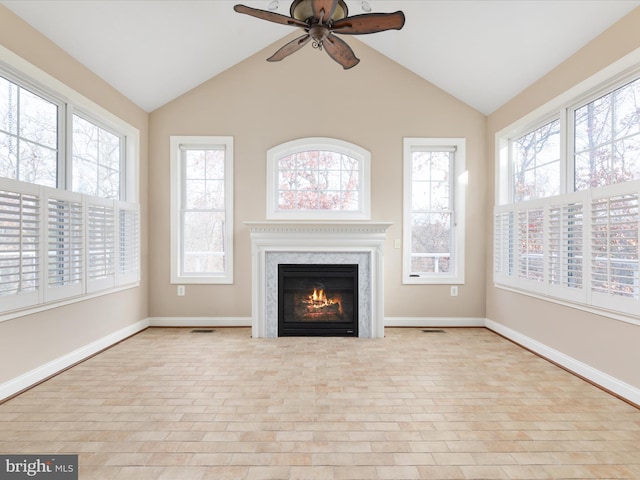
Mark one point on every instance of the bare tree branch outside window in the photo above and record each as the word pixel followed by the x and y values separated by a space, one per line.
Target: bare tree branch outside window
pixel 28 136
pixel 96 160
pixel 536 163
pixel 203 211
pixel 607 139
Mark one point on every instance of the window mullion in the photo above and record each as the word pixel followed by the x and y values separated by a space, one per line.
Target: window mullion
pixel 65 155
pixel 566 152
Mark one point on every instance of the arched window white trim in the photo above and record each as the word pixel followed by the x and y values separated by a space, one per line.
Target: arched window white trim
pixel 318 178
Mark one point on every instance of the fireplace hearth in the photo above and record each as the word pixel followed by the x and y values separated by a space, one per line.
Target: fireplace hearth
pixel 317 300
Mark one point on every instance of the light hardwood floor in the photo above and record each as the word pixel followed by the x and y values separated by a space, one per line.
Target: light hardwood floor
pixel 459 404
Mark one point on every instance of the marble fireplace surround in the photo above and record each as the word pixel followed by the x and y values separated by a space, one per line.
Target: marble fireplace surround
pixel 274 243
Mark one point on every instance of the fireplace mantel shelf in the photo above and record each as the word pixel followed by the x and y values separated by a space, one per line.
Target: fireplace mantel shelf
pixel 275 227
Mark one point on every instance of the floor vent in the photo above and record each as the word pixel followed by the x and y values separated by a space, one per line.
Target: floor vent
pixel 431 330
pixel 202 330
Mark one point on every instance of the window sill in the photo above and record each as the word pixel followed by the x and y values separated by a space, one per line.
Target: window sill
pixel 418 280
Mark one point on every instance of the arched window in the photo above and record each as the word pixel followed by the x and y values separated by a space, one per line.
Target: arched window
pixel 318 179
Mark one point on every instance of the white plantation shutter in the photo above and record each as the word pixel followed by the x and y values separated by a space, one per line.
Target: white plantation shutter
pixel 20 257
pixel 65 247
pixel 101 247
pixel 566 249
pixel 614 249
pixel 128 243
pixel 531 247
pixel 582 247
pixel 503 247
pixel 56 245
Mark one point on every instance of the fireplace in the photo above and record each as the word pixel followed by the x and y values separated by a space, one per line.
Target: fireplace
pixel 317 300
pixel 300 243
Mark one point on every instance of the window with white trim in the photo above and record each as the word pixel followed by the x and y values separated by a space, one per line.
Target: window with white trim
pixel 434 192
pixel 318 179
pixel 201 209
pixel 59 243
pixel 581 246
pixel 29 135
pixel 97 159
pixel 536 162
pixel 606 138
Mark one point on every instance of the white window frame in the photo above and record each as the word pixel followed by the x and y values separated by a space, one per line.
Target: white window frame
pixel 48 293
pixel 569 244
pixel 124 191
pixel 177 192
pixel 531 129
pixel 41 90
pixel 319 143
pixel 458 184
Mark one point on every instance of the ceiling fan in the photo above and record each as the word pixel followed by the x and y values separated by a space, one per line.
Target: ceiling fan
pixel 320 20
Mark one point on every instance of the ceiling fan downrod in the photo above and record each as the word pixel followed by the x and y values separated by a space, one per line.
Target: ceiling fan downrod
pixel 318 33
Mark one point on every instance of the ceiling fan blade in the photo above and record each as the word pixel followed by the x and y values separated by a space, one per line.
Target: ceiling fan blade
pixel 323 9
pixel 291 47
pixel 340 51
pixel 269 16
pixel 369 23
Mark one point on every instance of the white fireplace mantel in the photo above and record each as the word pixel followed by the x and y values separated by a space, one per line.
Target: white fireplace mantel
pixel 273 243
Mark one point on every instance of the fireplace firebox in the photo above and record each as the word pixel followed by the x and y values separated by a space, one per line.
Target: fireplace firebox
pixel 318 300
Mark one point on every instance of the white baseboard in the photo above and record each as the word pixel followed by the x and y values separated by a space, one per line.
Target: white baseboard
pixel 594 375
pixel 199 321
pixel 33 377
pixel 433 322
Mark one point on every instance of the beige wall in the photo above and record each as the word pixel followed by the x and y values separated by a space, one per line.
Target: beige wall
pixel 610 346
pixel 31 341
pixel 263 104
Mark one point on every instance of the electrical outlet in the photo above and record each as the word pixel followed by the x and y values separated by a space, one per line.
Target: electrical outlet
pixel 454 291
pixel 181 290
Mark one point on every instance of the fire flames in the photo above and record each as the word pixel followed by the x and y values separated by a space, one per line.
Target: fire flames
pixel 318 301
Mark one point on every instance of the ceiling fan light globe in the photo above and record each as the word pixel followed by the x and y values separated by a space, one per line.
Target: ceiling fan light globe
pixel 302 10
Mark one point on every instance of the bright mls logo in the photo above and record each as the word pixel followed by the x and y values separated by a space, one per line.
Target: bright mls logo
pixel 50 467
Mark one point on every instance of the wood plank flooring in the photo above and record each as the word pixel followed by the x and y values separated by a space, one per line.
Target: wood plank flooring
pixel 169 404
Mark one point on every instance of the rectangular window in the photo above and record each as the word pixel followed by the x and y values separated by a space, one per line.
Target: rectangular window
pixel 531 245
pixel 503 245
pixel 97 159
pixel 433 211
pixel 65 246
pixel 581 246
pixel 20 257
pixel 28 135
pixel 566 246
pixel 606 140
pixel 615 221
pixel 101 233
pixel 536 163
pixel 64 225
pixel 202 218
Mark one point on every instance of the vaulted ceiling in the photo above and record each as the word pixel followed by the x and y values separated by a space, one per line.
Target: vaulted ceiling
pixel 483 52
